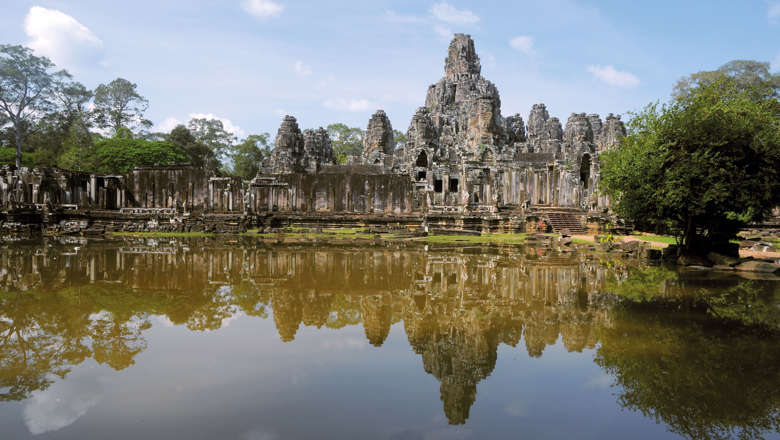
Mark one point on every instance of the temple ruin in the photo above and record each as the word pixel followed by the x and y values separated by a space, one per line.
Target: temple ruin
pixel 463 166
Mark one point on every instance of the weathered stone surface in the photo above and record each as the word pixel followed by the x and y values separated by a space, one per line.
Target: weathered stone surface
pixel 317 149
pixel 723 260
pixel 379 138
pixel 515 129
pixel 612 132
pixel 288 147
pixel 295 151
pixel 692 260
pixel 465 107
pixel 596 126
pixel 758 266
pixel 536 120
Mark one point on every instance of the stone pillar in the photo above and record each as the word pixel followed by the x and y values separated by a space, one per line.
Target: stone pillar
pixel 92 189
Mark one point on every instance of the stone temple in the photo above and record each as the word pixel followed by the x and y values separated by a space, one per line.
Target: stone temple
pixel 463 162
pixel 464 166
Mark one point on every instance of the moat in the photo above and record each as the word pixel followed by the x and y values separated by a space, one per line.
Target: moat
pixel 229 337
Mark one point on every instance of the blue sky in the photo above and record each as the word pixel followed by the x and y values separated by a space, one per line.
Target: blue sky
pixel 252 61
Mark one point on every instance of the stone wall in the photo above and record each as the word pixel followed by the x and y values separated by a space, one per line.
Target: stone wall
pixel 342 190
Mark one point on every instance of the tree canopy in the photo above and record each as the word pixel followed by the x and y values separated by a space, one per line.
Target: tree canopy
pixel 200 155
pixel 346 141
pixel 249 154
pixel 27 87
pixel 747 74
pixel 212 133
pixel 118 104
pixel 703 165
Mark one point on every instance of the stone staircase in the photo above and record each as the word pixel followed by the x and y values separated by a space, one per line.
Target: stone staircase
pixel 565 221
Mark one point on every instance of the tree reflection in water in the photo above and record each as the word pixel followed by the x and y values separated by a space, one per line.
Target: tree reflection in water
pixel 699 354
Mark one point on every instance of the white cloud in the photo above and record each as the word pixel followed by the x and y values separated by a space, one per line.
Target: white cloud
pixel 61 38
pixel 350 105
pixel 166 125
pixel 447 13
pixel 395 17
pixel 773 11
pixel 613 77
pixel 523 43
pixel 62 403
pixel 301 69
pixel 226 123
pixel 263 8
pixel 444 33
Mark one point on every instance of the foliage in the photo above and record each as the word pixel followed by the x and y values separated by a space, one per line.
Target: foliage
pixel 8 157
pixel 118 104
pixel 249 154
pixel 400 139
pixel 745 73
pixel 27 83
pixel 212 133
pixel 78 149
pixel 704 380
pixel 346 141
pixel 701 166
pixel 121 155
pixel 200 155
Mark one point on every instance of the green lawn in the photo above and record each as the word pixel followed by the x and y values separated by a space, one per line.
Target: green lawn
pixel 654 238
pixel 507 238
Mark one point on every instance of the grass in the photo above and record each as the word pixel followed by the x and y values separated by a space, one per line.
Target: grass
pixel 667 239
pixel 162 234
pixel 582 241
pixel 347 231
pixel 497 238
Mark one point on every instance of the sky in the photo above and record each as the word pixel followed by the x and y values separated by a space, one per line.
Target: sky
pixel 250 62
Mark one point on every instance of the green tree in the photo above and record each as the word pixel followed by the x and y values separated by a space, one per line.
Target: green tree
pixel 400 138
pixel 77 150
pixel 66 128
pixel 703 380
pixel 200 155
pixel 347 141
pixel 746 74
pixel 250 154
pixel 701 166
pixel 118 104
pixel 27 85
pixel 212 133
pixel 119 155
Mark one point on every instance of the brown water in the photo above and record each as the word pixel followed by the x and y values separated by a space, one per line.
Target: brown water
pixel 209 339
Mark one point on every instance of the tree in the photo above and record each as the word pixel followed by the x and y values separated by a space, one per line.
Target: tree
pixel 212 133
pixel 700 167
pixel 400 139
pixel 745 73
pixel 77 150
pixel 347 141
pixel 119 155
pixel 200 155
pixel 118 104
pixel 249 154
pixel 27 85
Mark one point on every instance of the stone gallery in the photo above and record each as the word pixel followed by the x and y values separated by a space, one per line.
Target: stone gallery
pixel 463 166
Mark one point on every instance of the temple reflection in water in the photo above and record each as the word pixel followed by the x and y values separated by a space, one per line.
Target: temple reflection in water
pixel 64 303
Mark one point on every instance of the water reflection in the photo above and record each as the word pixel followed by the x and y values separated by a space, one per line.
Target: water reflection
pixel 697 353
